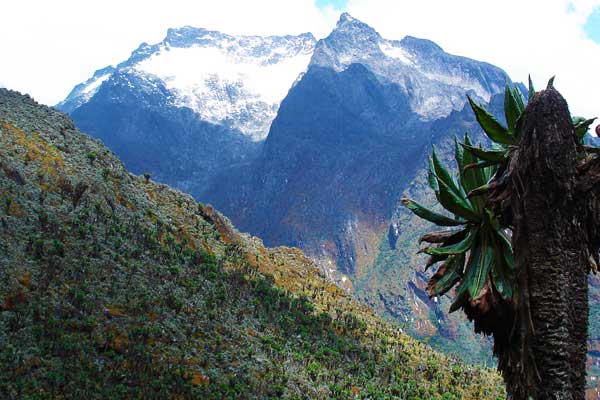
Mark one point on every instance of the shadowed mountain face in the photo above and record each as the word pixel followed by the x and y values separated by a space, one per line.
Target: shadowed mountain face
pixel 337 156
pixel 132 116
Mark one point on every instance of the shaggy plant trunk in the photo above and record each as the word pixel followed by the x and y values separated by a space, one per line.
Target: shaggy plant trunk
pixel 546 355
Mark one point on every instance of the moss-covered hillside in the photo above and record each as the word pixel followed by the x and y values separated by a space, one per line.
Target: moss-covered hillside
pixel 112 286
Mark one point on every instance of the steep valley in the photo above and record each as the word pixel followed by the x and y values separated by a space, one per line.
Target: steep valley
pixel 346 141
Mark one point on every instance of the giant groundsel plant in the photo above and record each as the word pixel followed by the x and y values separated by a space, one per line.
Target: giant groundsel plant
pixel 474 249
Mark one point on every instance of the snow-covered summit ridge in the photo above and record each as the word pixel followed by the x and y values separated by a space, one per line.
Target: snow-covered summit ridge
pixel 239 81
pixel 435 81
pixel 235 81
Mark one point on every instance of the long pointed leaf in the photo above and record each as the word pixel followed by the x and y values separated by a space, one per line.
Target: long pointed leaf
pixel 490 125
pixel 506 247
pixel 478 265
pixel 531 89
pixel 501 281
pixel 429 215
pixel 442 172
pixel 511 109
pixel 487 155
pixel 457 248
pixel 431 179
pixel 462 296
pixel 446 276
pixel 502 276
pixel 434 260
pixel 519 127
pixel 491 185
pixel 504 239
pixel 456 204
pixel 518 96
pixel 440 236
pixel 472 178
pixel 582 125
pixel 449 195
pixel 459 155
pixel 480 164
pixel 465 181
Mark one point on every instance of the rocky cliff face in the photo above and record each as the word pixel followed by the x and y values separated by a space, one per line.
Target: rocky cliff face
pixel 349 137
pixel 352 135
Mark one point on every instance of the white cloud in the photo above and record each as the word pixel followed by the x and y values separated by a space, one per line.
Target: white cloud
pixel 538 37
pixel 55 44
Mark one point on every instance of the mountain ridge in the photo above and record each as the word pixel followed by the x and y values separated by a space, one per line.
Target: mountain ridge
pixel 348 138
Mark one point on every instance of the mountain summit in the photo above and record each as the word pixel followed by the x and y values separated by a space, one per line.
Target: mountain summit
pixel 197 103
pixel 358 29
pixel 435 81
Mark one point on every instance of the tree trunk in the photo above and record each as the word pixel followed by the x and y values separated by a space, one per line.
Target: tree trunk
pixel 546 354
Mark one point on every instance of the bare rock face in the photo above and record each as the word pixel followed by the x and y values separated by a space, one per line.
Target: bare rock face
pixel 350 137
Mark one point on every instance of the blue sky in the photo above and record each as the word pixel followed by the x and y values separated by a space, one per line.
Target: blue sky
pixel 336 4
pixel 592 26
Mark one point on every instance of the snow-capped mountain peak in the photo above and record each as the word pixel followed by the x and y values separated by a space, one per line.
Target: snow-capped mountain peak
pixel 235 81
pixel 349 24
pixel 435 81
pixel 238 82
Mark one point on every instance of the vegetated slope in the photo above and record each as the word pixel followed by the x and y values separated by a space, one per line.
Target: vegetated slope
pixel 114 287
